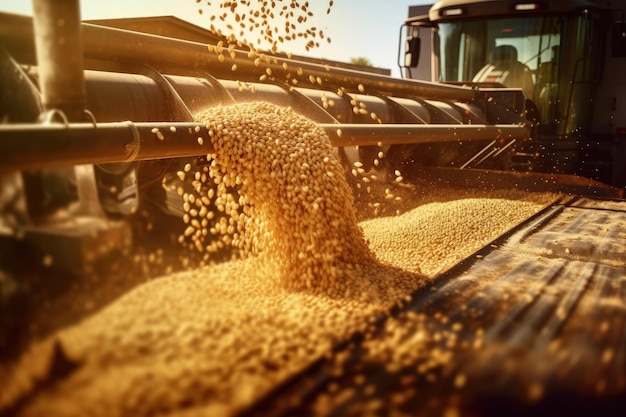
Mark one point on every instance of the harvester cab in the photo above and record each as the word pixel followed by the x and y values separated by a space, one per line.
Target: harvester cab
pixel 558 54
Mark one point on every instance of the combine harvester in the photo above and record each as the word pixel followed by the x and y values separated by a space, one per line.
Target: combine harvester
pixel 111 112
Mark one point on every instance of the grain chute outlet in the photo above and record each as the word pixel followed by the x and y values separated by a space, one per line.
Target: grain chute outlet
pixel 220 229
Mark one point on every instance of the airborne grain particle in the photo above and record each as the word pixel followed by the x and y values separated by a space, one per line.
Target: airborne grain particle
pixel 460 380
pixel 158 133
pixel 269 23
pixel 48 261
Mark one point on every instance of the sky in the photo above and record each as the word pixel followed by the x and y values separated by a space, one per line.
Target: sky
pixel 357 28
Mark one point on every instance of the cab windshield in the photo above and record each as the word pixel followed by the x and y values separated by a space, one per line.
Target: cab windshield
pixel 524 53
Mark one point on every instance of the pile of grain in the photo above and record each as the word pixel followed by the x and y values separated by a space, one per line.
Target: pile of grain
pixel 397 240
pixel 213 340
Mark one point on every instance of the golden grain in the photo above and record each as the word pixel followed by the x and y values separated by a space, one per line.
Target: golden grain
pixel 305 278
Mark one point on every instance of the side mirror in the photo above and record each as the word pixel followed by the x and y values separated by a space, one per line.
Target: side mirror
pixel 412 46
pixel 412 51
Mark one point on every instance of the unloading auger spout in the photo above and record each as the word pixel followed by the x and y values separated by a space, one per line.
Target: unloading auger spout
pixel 135 83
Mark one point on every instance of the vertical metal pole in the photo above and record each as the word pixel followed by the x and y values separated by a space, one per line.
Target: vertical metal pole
pixel 60 56
pixel 58 41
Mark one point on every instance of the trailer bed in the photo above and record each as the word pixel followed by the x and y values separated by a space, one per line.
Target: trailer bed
pixel 532 323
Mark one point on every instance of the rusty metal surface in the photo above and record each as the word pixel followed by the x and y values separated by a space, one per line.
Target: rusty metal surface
pixel 532 324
